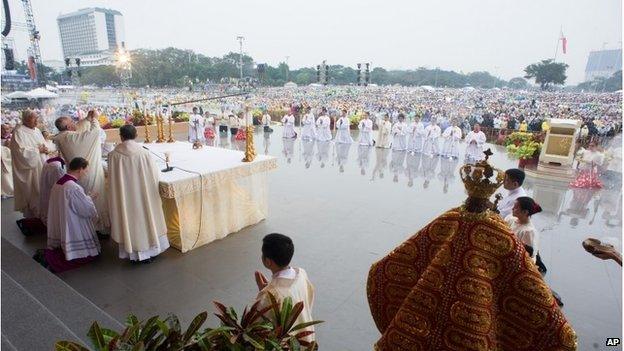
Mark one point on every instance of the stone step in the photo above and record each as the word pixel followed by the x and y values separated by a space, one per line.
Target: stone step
pixel 39 309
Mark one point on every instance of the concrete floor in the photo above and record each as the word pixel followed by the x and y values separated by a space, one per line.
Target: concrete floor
pixel 341 222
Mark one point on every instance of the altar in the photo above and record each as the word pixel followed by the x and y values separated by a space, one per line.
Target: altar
pixel 210 193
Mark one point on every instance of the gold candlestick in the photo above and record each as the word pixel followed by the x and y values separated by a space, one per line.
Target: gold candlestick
pixel 146 122
pixel 159 127
pixel 250 151
pixel 170 119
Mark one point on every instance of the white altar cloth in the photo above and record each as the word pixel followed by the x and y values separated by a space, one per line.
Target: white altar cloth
pixel 210 193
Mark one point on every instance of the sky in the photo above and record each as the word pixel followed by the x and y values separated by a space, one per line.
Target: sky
pixel 498 36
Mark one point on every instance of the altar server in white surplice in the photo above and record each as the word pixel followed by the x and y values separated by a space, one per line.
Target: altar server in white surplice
pixel 52 171
pixel 451 136
pixel 383 137
pixel 399 134
pixel 27 145
pixel 71 214
pixel 366 131
pixel 196 125
pixel 137 219
pixel 475 140
pixel 323 125
pixel 416 136
pixel 88 145
pixel 289 126
pixel 343 134
pixel 431 146
pixel 309 126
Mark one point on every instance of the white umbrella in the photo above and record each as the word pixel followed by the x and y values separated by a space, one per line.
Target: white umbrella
pixel 18 95
pixel 41 93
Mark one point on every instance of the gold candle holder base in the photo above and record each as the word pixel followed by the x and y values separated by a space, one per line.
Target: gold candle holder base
pixel 161 130
pixel 250 151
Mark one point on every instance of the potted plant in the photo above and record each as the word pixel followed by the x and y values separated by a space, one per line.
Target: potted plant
pixel 527 153
pixel 252 331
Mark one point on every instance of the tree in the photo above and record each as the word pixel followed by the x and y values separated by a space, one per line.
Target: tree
pixel 602 84
pixel 518 83
pixel 546 73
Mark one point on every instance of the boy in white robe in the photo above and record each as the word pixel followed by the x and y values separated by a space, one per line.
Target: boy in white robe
pixel 475 140
pixel 452 136
pixel 289 126
pixel 416 136
pixel 27 145
pixel 196 125
pixel 72 241
pixel 399 134
pixel 53 170
pixel 366 131
pixel 343 133
pixel 383 138
pixel 309 126
pixel 137 219
pixel 323 126
pixel 266 122
pixel 286 281
pixel 431 146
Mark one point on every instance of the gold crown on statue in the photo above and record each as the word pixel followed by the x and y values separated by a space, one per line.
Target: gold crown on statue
pixel 480 179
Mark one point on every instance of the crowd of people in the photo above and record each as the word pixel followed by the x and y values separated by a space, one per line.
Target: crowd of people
pixel 57 179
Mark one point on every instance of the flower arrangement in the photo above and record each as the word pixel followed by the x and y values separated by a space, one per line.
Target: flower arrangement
pixel 354 119
pixel 117 123
pixel 180 116
pixel 527 150
pixel 103 120
pixel 137 118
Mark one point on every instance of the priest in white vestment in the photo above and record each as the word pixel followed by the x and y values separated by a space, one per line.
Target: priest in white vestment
pixel 452 136
pixel 343 133
pixel 27 145
pixel 286 281
pixel 7 172
pixel 53 170
pixel 475 140
pixel 416 136
pixel 289 126
pixel 366 131
pixel 88 145
pixel 72 240
pixel 7 167
pixel 383 137
pixel 323 127
pixel 431 146
pixel 137 219
pixel 309 126
pixel 196 125
pixel 399 134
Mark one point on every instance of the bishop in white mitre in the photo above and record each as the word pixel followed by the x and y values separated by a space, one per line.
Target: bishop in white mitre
pixel 72 240
pixel 475 140
pixel 27 145
pixel 83 140
pixel 53 170
pixel 137 219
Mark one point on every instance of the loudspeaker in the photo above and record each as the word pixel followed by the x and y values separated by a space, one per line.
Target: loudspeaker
pixel 9 60
pixel 261 68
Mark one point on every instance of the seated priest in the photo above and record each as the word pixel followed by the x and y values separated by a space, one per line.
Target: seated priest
pixel 72 241
pixel 465 282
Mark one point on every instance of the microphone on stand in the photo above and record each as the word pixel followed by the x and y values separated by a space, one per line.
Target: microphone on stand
pixel 166 160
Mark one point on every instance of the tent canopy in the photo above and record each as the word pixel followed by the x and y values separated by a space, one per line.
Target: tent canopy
pixel 18 95
pixel 41 93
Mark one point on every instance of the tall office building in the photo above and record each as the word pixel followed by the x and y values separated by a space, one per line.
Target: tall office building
pixel 603 63
pixel 91 34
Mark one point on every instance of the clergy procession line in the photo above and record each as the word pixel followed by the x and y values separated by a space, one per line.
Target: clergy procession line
pixel 67 197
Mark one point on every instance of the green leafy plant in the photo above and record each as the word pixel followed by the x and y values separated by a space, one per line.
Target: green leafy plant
pixel 253 331
pixel 117 123
pixel 180 116
pixel 524 151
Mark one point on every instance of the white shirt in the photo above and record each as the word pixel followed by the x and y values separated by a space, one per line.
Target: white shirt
pixel 526 233
pixel 288 273
pixel 506 204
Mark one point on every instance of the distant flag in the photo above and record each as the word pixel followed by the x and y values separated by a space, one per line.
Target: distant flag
pixel 564 43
